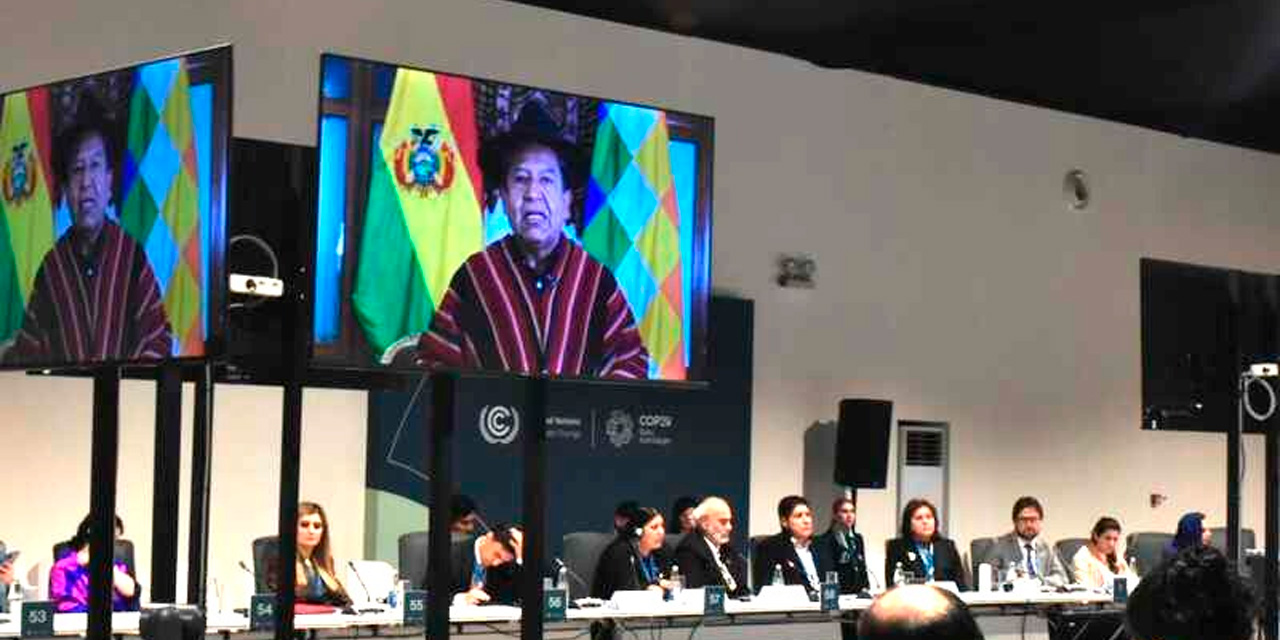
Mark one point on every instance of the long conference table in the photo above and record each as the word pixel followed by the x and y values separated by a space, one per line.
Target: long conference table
pixel 1001 615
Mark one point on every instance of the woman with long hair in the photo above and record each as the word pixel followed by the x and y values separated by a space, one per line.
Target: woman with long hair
pixel 1190 533
pixel 316 581
pixel 1098 562
pixel 921 548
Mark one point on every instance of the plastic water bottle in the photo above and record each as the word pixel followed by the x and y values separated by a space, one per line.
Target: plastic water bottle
pixel 777 579
pixel 1133 565
pixel 898 577
pixel 1010 575
pixel 562 577
pixel 677 584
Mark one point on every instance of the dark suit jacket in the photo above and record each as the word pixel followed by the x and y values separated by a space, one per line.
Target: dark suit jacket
pixel 693 556
pixel 851 564
pixel 619 568
pixel 501 582
pixel 779 551
pixel 946 561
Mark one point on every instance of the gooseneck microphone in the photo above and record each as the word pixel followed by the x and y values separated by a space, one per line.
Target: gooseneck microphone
pixel 368 595
pixel 559 564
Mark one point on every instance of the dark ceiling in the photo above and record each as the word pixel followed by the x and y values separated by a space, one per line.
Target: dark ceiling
pixel 1202 69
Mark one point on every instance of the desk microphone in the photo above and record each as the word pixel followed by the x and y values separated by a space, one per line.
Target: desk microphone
pixel 247 569
pixel 559 564
pixel 368 596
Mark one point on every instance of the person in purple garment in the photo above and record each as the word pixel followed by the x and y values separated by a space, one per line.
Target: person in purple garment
pixel 69 578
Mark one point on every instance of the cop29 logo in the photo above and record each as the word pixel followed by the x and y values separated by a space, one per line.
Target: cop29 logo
pixel 499 424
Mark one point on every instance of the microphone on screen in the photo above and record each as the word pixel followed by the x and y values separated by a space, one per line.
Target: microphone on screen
pixel 368 596
pixel 484 526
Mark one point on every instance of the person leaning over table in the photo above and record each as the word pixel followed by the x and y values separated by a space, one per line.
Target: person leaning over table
pixel 921 549
pixel 484 569
pixel 1098 562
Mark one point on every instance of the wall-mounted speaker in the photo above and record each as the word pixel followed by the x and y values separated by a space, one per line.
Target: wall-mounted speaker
pixel 862 443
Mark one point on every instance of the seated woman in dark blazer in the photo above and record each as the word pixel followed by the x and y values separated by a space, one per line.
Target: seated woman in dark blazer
pixel 634 560
pixel 921 549
pixel 792 550
pixel 316 580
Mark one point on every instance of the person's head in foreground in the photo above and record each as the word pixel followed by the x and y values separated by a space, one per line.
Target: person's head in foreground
pixel 1197 595
pixel 918 611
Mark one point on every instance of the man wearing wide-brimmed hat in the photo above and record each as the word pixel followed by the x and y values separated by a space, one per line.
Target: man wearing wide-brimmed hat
pixel 535 301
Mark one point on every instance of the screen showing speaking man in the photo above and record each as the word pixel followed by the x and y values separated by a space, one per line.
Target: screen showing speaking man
pixel 484 225
pixel 109 208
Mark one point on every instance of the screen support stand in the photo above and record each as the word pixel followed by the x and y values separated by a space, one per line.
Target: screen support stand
pixel 535 512
pixel 201 460
pixel 1233 476
pixel 1271 567
pixel 439 424
pixel 167 474
pixel 102 498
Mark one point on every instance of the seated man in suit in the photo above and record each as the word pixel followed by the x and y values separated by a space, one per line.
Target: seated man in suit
pixel 485 569
pixel 705 557
pixel 790 552
pixel 1026 548
pixel 842 548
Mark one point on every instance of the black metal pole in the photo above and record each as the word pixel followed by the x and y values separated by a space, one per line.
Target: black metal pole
pixel 1234 432
pixel 535 513
pixel 1271 597
pixel 438 424
pixel 290 450
pixel 201 466
pixel 102 498
pixel 166 480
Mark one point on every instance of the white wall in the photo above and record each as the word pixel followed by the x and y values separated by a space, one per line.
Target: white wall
pixel 952 278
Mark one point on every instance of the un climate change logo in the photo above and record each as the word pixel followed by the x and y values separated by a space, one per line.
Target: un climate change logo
pixel 499 424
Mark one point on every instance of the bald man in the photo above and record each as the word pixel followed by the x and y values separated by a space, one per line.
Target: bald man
pixel 918 611
pixel 705 556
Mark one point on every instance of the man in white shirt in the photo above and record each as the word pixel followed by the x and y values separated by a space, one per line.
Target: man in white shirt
pixel 791 551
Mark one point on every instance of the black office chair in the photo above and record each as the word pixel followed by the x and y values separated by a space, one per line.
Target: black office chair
pixel 123 552
pixel 266 555
pixel 1148 548
pixel 670 543
pixel 582 550
pixel 412 548
pixel 979 548
pixel 1066 550
pixel 1219 539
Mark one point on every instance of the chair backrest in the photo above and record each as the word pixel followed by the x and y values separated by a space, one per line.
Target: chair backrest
pixel 266 551
pixel 1066 549
pixel 123 552
pixel 413 558
pixel 1219 539
pixel 1147 547
pixel 582 551
pixel 979 548
pixel 670 543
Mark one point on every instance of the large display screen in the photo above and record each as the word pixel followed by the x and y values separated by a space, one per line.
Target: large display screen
pixel 475 224
pixel 112 213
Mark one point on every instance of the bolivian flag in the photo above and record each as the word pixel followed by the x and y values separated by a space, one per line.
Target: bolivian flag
pixel 26 216
pixel 424 214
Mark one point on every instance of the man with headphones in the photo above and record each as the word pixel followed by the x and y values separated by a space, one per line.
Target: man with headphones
pixel 635 559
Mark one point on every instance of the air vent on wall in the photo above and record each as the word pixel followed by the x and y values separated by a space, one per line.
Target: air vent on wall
pixel 924 448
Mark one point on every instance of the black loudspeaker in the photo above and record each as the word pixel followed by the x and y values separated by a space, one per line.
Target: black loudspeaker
pixel 862 443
